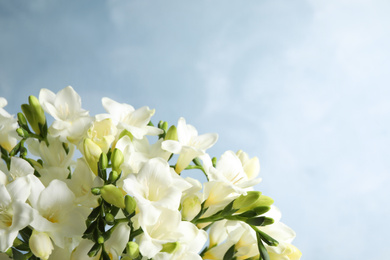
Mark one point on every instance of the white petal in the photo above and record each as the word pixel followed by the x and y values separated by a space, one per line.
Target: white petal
pixel 171 146
pixel 68 102
pixel 46 97
pixel 205 141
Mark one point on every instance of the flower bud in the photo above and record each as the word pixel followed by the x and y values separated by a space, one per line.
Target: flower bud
pixel 22 133
pixel 170 248
pixel 40 244
pixel 95 191
pixel 132 249
pixel 113 195
pixel 37 110
pixel 130 204
pixel 110 219
pixel 92 154
pixel 113 176
pixel 246 202
pixel 103 161
pixel 191 207
pixel 117 159
pixel 171 134
pixel 22 120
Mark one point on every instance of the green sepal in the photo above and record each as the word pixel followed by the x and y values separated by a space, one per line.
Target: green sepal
pixel 267 238
pixel 229 255
pixel 94 250
pixel 94 213
pixel 259 221
pixel 263 251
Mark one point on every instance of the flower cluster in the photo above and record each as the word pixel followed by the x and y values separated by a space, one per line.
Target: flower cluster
pixel 111 186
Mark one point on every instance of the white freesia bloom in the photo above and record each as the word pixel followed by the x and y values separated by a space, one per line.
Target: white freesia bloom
pixel 8 126
pixel 126 117
pixel 40 244
pixel 81 183
pixel 57 214
pixel 71 121
pixel 229 169
pixel 102 132
pixel 164 229
pixel 15 213
pixel 189 145
pixel 138 151
pixel 189 244
pixel 114 246
pixel 56 159
pixel 155 186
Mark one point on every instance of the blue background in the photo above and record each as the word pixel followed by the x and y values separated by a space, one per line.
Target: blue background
pixel 303 85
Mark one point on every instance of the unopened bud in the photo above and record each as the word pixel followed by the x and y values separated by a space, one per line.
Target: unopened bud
pixel 92 154
pixel 22 133
pixel 191 207
pixel 113 195
pixel 130 204
pixel 110 219
pixel 214 161
pixel 40 244
pixel 103 161
pixel 132 249
pixel 113 176
pixel 246 202
pixel 22 120
pixel 172 133
pixel 95 191
pixel 37 110
pixel 117 159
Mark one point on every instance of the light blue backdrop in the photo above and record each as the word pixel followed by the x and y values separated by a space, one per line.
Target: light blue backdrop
pixel 303 85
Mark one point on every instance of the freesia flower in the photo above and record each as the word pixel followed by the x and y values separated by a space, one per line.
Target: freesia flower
pixel 57 214
pixel 71 121
pixel 8 125
pixel 189 145
pixel 114 246
pixel 15 213
pixel 155 186
pixel 126 117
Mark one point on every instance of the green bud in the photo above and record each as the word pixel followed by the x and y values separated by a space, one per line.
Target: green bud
pixel 125 132
pixel 37 110
pixel 130 204
pixel 110 219
pixel 113 195
pixel 95 191
pixel 22 133
pixel 264 201
pixel 261 209
pixel 103 161
pixel 113 176
pixel 246 202
pixel 260 221
pixel 22 120
pixel 170 248
pixel 132 249
pixel 100 240
pixel 163 125
pixel 172 133
pixel 92 154
pixel 117 159
pixel 214 161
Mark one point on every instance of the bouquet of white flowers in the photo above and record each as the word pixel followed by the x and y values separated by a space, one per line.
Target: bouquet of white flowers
pixel 125 196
